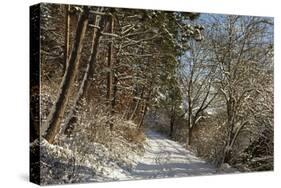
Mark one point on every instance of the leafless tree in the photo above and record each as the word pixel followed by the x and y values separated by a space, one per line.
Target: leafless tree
pixel 197 74
pixel 241 46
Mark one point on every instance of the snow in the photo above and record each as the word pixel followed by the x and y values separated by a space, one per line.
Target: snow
pixel 162 158
pixel 60 165
pixel 167 158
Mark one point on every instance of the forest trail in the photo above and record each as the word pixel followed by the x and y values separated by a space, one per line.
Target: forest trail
pixel 162 158
pixel 166 158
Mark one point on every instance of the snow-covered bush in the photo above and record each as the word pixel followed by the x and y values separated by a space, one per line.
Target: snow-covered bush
pixel 91 134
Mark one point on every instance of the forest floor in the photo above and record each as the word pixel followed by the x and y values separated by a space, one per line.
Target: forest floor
pixel 162 158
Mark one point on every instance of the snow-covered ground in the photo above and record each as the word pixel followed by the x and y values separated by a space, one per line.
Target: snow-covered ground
pixel 162 158
pixel 166 158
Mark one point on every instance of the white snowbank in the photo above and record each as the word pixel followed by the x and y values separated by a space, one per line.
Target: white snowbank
pixel 60 165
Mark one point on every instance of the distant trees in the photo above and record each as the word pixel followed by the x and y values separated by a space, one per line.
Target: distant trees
pixel 170 100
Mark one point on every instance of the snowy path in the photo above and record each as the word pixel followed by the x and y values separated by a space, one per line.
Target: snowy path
pixel 162 158
pixel 167 158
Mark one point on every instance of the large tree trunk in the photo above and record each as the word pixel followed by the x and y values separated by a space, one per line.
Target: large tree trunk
pixel 58 109
pixel 66 37
pixel 87 76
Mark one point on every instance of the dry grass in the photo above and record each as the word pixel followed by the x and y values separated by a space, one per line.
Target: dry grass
pixel 124 142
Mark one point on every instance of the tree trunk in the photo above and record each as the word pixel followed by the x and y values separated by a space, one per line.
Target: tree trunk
pixel 70 120
pixel 171 126
pixel 86 79
pixel 143 114
pixel 114 95
pixel 227 155
pixel 110 72
pixel 137 105
pixel 66 37
pixel 189 136
pixel 172 121
pixel 93 57
pixel 110 63
pixel 58 109
pixel 232 138
pixel 230 135
pixel 190 125
pixel 146 100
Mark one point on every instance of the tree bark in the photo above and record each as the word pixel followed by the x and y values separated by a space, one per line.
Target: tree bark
pixel 58 109
pixel 66 37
